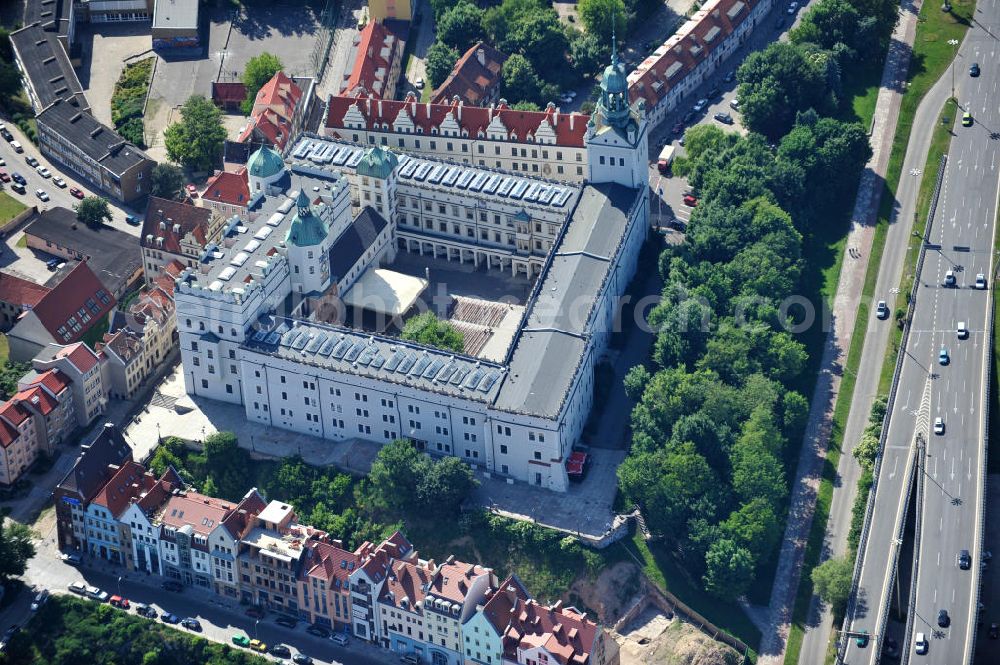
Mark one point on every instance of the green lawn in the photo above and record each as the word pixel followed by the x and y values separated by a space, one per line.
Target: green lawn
pixel 661 568
pixel 4 349
pixel 9 208
pixel 993 461
pixel 931 57
pixel 862 87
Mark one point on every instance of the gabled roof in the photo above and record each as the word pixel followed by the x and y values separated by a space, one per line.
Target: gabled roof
pixel 39 400
pixel 128 482
pixel 228 188
pixel 239 522
pixel 102 144
pixel 20 292
pixel 202 513
pixel 54 381
pixel 8 433
pixel 473 121
pixel 473 77
pixel 562 631
pixel 91 470
pixel 377 49
pixel 124 345
pixel 79 355
pixel 280 91
pixel 331 564
pixel 405 586
pixel 502 601
pixel 14 412
pixel 173 221
pixel 355 241
pixel 453 580
pixel 59 310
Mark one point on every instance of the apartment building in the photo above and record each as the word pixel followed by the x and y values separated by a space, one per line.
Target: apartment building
pixel 278 112
pixel 128 482
pixel 49 396
pixel 16 297
pixel 542 144
pixel 187 520
pixel 18 441
pixel 696 51
pixel 176 231
pixel 475 78
pixel 368 580
pixel 377 54
pixel 126 363
pixel 142 531
pixel 484 632
pixel 98 461
pixel 227 193
pixel 224 543
pixel 324 584
pixel 84 369
pixel 151 318
pixel 401 613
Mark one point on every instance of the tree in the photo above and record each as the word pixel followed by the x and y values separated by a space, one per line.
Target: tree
pixel 728 569
pixel 93 211
pixel 10 373
pixel 539 37
pixel 518 80
pixel 600 16
pixel 226 464
pixel 396 474
pixel 196 139
pixel 441 59
pixel 258 71
pixel 754 526
pixel 828 23
pixel 167 181
pixel 832 581
pixel 461 26
pixel 526 106
pixel 427 329
pixel 777 83
pixel 16 548
pixel 588 53
pixel 445 486
pixel 635 381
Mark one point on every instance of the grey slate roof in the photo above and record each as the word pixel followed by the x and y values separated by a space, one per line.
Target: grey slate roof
pixel 47 65
pixel 112 255
pixel 355 240
pixel 550 348
pixel 98 142
pixel 90 472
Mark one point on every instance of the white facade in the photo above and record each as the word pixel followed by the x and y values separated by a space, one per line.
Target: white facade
pixel 145 539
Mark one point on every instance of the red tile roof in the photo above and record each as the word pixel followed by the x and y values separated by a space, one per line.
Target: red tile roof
pixel 497 609
pixel 517 126
pixel 125 345
pixel 407 581
pixel 60 309
pixel 331 564
pixel 17 291
pixel 39 399
pixel 281 91
pixel 270 125
pixel 228 188
pixel 14 413
pixel 232 93
pixel 8 433
pixel 564 633
pixel 472 79
pixel 377 48
pixel 692 44
pixel 127 484
pixel 239 522
pixel 54 381
pixel 173 221
pixel 80 355
pixel 203 513
pixel 453 580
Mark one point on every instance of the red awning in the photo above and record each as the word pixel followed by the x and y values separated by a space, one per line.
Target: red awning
pixel 575 463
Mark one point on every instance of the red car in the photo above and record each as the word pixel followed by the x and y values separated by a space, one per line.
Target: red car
pixel 76 192
pixel 4 176
pixel 690 200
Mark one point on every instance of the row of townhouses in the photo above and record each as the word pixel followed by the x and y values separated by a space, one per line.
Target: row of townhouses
pixel 256 551
pixel 69 385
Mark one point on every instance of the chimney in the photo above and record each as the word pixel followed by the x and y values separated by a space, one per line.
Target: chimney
pixel 481 55
pixel 460 105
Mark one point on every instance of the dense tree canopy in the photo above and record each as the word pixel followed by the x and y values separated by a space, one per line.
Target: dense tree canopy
pixel 440 60
pixel 167 181
pixel 832 580
pixel 258 71
pixel 461 26
pixel 603 18
pixel 93 211
pixel 195 141
pixel 16 547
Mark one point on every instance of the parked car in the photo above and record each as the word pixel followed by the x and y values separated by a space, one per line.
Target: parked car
pixel 59 182
pixel 72 558
pixel 419 83
pixel 974 69
pixel 882 310
pixel 3 162
pixel 16 146
pixel 18 178
pixel 678 128
pixel 42 194
pixel 699 105
pixel 191 624
pixel 79 588
pixel 4 176
pixel 44 172
pixel 994 631
pixel 145 611
pixel 792 8
pixel 119 602
pixel 39 600
pixel 690 200
pixel 318 631
pixel 6 134
pixel 254 612
pixel 724 118
pixel 192 190
pixel 286 621
pixel 730 75
pixel 172 585
pixel 96 594
pixel 241 641
pixel 132 220
pixel 280 650
pixel 734 104
pixel 31 161
pixel 18 187
pixel 340 638
pixel 76 192
pixel 169 618
pixel 302 659
pixel 257 645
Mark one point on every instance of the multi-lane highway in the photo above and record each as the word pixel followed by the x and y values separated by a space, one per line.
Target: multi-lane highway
pixel 960 241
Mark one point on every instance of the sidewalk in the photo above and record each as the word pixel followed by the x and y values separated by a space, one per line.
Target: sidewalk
pixel 838 343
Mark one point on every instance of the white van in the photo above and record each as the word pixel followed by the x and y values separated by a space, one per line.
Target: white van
pixel 17 147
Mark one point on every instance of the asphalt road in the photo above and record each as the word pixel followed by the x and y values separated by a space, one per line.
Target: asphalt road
pixel 57 196
pixel 960 240
pixel 876 341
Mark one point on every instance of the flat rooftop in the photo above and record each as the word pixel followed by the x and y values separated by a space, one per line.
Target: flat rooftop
pixel 177 14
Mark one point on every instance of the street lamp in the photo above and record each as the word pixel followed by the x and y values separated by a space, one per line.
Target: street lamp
pixel 120 587
pixel 953 42
pixel 255 624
